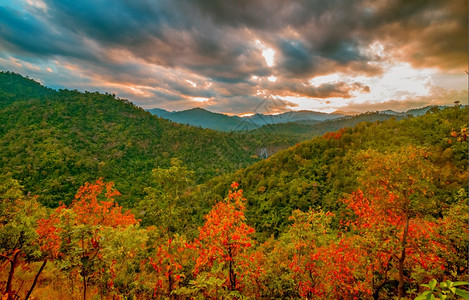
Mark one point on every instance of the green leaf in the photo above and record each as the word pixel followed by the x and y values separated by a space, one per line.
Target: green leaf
pixel 423 296
pixel 458 283
pixel 462 293
pixel 432 284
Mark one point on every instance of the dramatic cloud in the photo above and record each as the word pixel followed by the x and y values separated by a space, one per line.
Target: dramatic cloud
pixel 229 56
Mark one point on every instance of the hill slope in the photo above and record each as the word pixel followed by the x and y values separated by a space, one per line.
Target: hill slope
pixel 53 141
pixel 307 129
pixel 318 172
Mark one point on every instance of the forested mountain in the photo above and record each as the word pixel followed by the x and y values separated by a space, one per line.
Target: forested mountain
pixel 307 129
pixel 14 86
pixel 291 116
pixel 318 172
pixel 54 141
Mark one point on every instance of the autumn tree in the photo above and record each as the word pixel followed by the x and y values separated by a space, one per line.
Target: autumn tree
pixel 397 188
pixel 324 263
pixel 81 228
pixel 307 234
pixel 454 238
pixel 168 260
pixel 223 244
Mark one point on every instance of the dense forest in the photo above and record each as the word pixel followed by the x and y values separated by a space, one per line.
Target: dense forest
pixel 101 200
pixel 54 141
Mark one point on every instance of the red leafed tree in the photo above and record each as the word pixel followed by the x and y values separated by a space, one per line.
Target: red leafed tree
pixel 337 135
pixel 168 263
pixel 308 234
pixel 80 229
pixel 94 205
pixel 381 233
pixel 342 274
pixel 224 241
pixel 389 215
pixel 325 266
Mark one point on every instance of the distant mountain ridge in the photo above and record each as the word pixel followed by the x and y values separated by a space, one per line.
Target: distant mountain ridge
pixel 206 119
pixel 217 121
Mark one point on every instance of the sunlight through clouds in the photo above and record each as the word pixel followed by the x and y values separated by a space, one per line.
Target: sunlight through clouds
pixel 326 55
pixel 267 53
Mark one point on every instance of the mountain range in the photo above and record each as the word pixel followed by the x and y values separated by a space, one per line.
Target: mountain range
pixel 206 119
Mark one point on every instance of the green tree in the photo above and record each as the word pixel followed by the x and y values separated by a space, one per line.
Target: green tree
pixel 18 237
pixel 163 205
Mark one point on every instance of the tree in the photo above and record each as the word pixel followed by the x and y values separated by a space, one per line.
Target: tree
pixel 453 235
pixel 223 244
pixel 307 234
pixel 81 228
pixel 163 206
pixel 18 237
pixel 324 264
pixel 397 188
pixel 168 261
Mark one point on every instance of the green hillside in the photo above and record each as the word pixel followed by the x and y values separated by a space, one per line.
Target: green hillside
pixel 54 141
pixel 318 172
pixel 309 129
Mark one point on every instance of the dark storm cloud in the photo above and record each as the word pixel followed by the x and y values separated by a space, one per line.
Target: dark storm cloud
pixel 425 33
pixel 295 57
pixel 157 46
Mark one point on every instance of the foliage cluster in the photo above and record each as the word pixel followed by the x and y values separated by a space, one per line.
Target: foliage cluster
pixel 388 245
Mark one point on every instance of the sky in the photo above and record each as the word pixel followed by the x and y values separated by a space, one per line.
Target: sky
pixel 245 56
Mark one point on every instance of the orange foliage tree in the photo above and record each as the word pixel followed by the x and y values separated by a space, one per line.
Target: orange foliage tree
pixel 390 214
pixel 168 261
pixel 81 228
pixel 323 264
pixel 223 244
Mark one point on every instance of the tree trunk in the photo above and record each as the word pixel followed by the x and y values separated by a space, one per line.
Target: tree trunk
pixel 231 271
pixel 381 285
pixel 378 289
pixel 402 259
pixel 170 285
pixel 84 287
pixel 13 261
pixel 35 279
